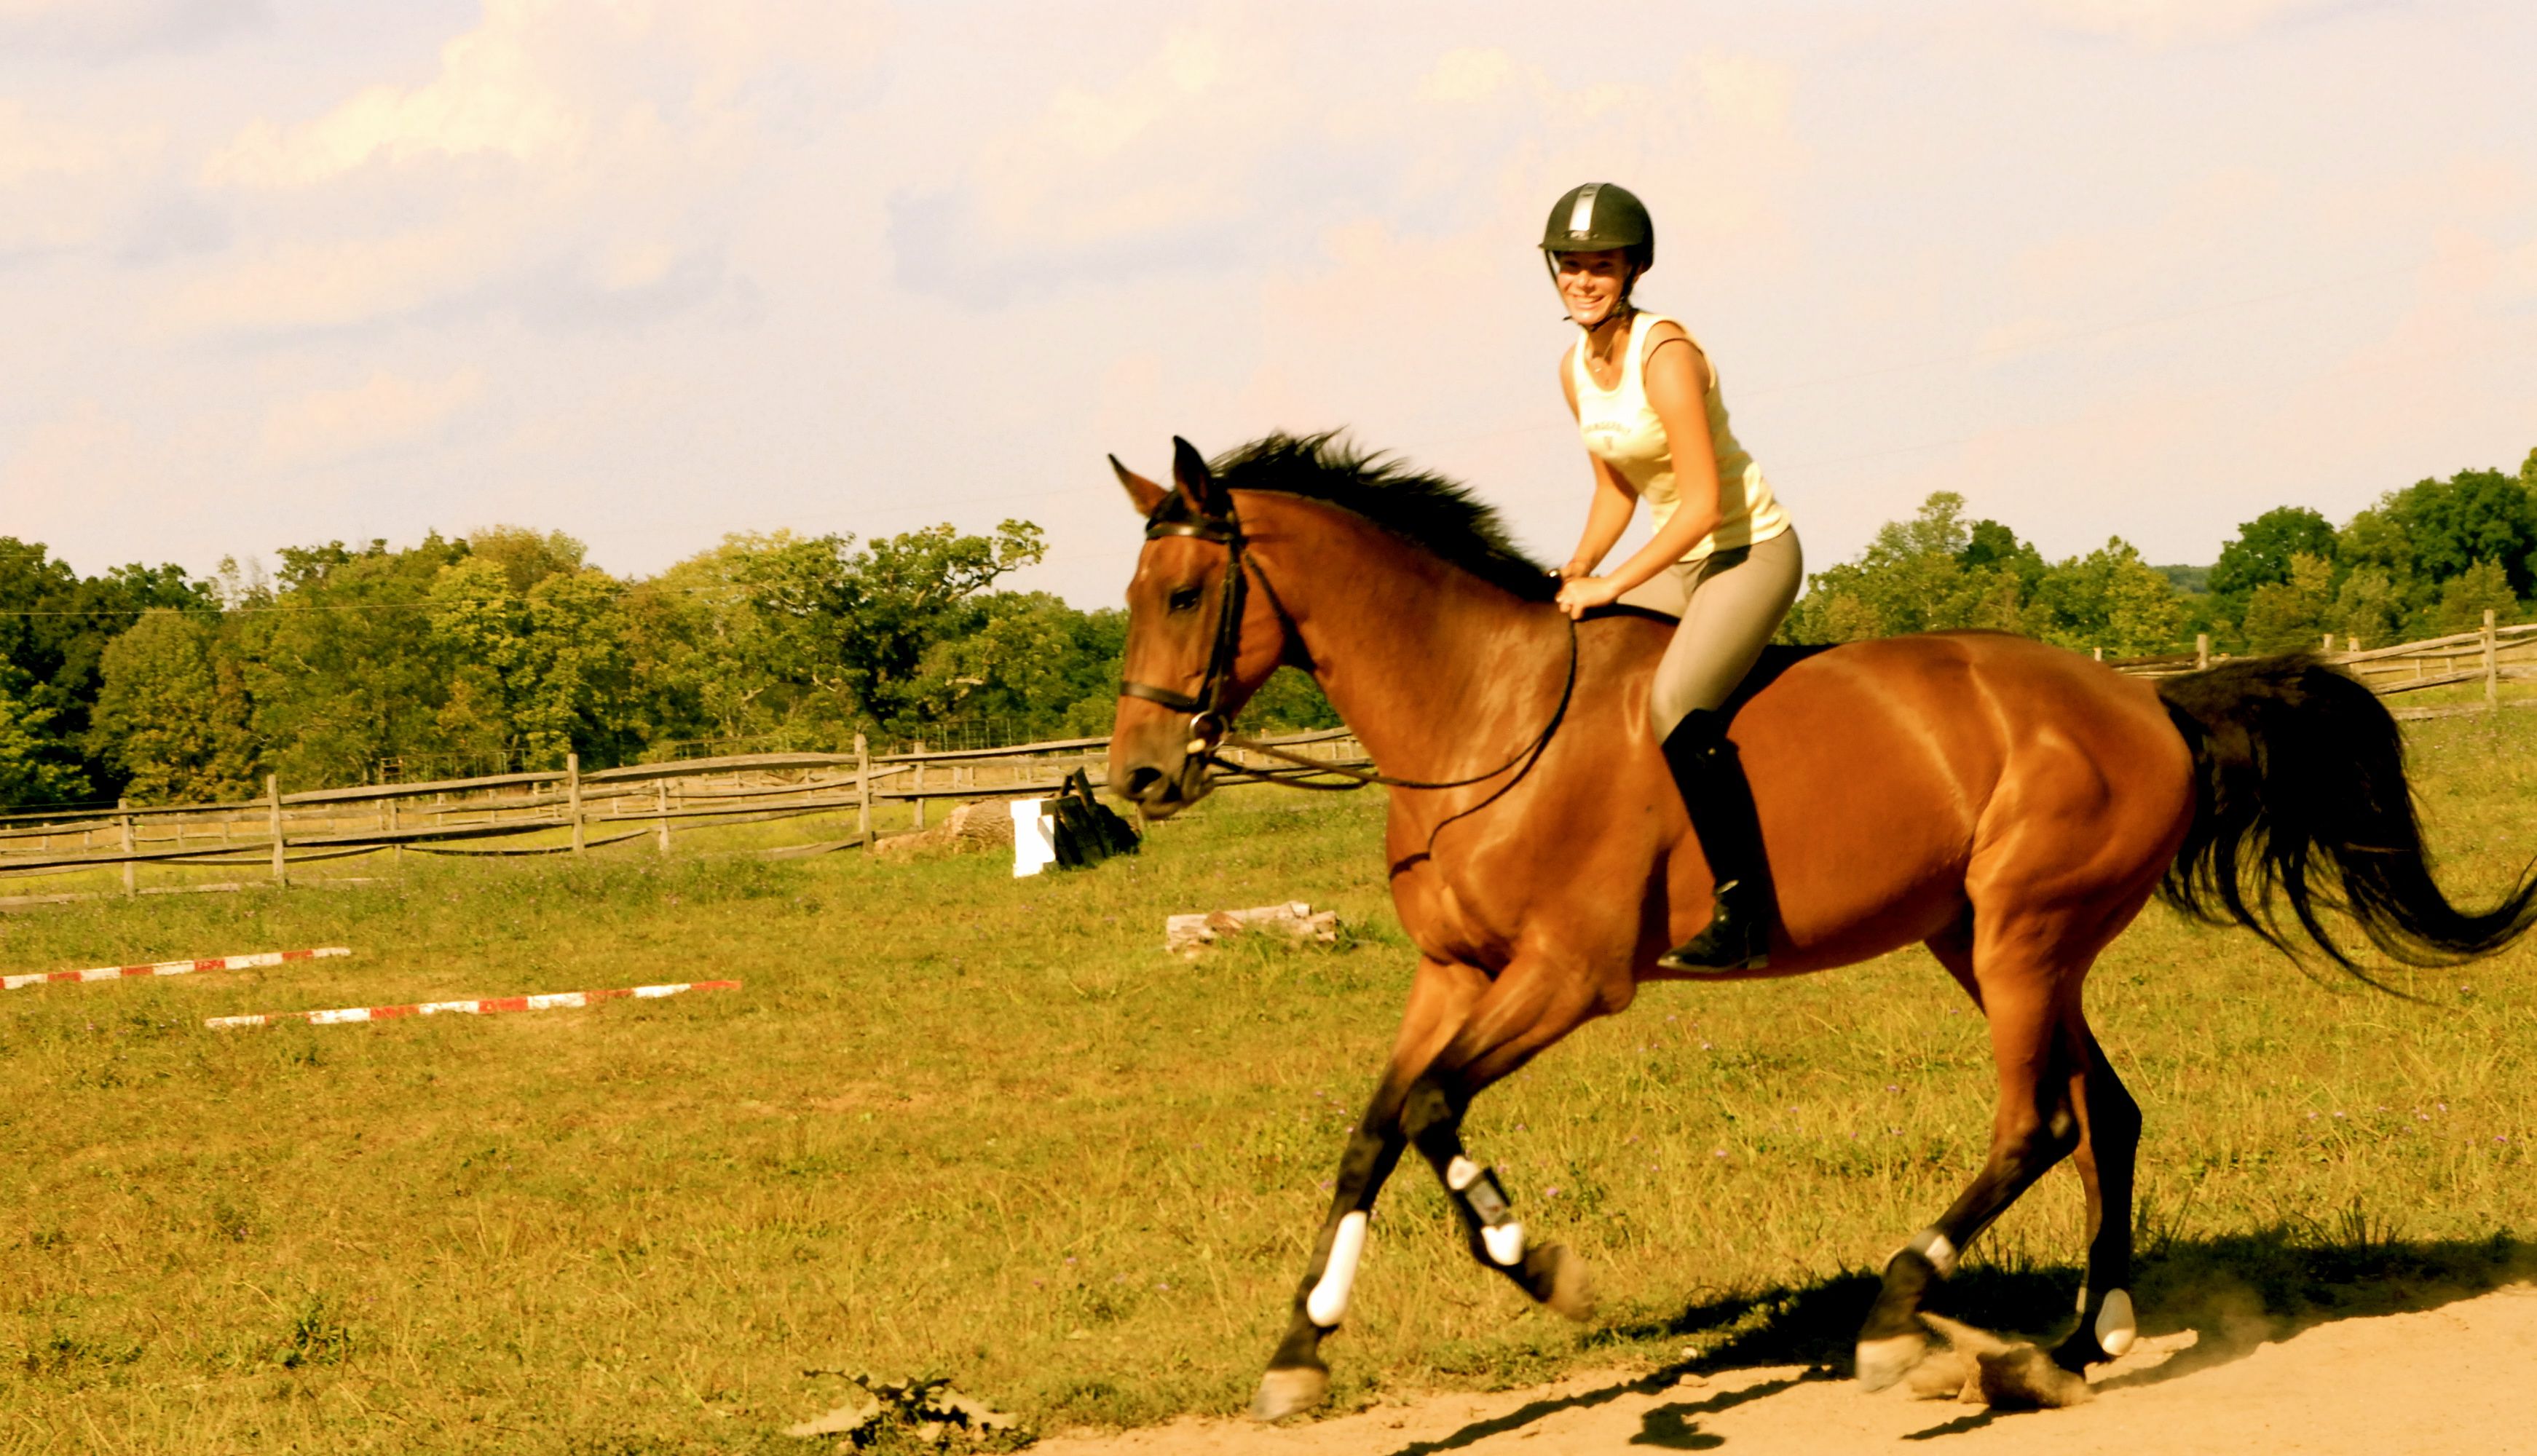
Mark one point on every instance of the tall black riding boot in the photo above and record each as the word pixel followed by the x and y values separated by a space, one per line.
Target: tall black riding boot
pixel 1712 780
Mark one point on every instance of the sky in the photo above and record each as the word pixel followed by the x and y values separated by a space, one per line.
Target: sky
pixel 277 272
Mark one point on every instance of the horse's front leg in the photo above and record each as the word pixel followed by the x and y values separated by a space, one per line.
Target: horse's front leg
pixel 1532 1003
pixel 1549 1273
pixel 1297 1379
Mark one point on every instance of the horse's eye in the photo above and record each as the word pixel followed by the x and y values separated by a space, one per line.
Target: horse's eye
pixel 1184 599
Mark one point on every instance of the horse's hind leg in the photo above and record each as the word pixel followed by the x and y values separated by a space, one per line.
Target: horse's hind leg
pixel 2034 1128
pixel 2110 1125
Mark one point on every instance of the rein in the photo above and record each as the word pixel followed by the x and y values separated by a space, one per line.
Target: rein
pixel 1209 727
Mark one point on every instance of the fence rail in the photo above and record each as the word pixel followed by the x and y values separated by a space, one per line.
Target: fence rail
pixel 458 816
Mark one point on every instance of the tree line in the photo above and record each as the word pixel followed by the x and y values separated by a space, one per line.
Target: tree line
pixel 506 648
pixel 2423 561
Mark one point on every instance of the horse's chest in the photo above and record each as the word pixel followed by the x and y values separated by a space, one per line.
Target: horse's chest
pixel 1454 918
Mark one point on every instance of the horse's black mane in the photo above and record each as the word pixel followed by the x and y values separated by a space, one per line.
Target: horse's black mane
pixel 1426 510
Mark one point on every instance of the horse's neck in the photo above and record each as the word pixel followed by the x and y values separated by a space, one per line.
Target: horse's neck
pixel 1433 668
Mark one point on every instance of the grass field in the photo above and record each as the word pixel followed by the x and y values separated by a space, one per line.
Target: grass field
pixel 961 1123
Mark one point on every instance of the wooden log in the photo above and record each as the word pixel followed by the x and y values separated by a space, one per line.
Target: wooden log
pixel 920 783
pixel 660 807
pixel 131 880
pixel 2201 650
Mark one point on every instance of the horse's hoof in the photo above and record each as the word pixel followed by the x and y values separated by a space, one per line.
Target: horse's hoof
pixel 1288 1392
pixel 1881 1363
pixel 1572 1288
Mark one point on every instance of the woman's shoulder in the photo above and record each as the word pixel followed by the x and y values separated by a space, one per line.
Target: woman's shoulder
pixel 1663 330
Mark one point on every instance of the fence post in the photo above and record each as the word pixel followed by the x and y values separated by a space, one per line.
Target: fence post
pixel 2329 648
pixel 130 887
pixel 920 783
pixel 572 797
pixel 2201 650
pixel 396 847
pixel 2492 672
pixel 273 814
pixel 660 804
pixel 862 789
pixel 2096 652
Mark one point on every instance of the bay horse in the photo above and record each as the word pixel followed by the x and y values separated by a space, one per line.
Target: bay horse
pixel 2008 805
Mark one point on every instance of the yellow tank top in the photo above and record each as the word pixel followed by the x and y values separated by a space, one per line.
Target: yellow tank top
pixel 1623 431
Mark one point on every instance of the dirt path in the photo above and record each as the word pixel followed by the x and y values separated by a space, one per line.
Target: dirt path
pixel 2450 1379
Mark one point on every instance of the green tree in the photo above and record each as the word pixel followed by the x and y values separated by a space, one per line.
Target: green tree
pixel 2470 518
pixel 2467 596
pixel 856 627
pixel 2260 553
pixel 1931 572
pixel 55 627
pixel 2111 599
pixel 31 772
pixel 2292 616
pixel 2368 608
pixel 167 718
pixel 1031 659
pixel 339 660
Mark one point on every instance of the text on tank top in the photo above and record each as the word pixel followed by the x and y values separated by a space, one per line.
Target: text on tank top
pixel 1623 431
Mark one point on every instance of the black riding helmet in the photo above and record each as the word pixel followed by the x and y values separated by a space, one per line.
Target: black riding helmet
pixel 1595 217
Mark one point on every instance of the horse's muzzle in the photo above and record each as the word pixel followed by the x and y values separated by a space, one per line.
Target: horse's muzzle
pixel 1161 778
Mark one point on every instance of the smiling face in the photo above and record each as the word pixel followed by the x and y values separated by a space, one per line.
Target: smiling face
pixel 1592 284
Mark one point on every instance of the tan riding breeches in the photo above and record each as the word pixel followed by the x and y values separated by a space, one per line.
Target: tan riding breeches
pixel 1730 603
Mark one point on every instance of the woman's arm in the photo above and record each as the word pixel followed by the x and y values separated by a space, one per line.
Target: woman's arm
pixel 1676 380
pixel 1605 520
pixel 1615 501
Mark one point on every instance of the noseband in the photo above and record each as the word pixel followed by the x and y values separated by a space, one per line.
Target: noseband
pixel 1209 722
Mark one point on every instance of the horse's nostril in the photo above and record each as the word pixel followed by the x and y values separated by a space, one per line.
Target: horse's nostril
pixel 1143 781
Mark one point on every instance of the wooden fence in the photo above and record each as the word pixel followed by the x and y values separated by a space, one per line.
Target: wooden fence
pixel 609 806
pixel 471 816
pixel 2489 656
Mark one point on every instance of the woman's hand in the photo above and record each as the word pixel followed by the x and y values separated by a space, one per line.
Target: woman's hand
pixel 1573 569
pixel 1581 594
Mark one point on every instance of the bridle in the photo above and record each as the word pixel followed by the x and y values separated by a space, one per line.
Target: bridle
pixel 1209 724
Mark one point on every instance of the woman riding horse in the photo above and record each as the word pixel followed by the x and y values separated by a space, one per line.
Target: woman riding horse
pixel 1724 558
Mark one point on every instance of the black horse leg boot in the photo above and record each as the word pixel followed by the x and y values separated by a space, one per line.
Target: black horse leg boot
pixel 1714 788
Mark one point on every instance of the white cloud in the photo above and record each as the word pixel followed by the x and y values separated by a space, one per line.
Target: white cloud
pixel 62 182
pixel 570 161
pixel 493 96
pixel 33 147
pixel 333 285
pixel 110 29
pixel 2158 24
pixel 383 411
pixel 1467 75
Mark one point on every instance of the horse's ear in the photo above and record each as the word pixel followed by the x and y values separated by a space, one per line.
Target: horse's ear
pixel 1196 481
pixel 1148 495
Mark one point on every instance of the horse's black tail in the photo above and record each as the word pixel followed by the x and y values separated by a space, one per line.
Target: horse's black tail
pixel 2300 792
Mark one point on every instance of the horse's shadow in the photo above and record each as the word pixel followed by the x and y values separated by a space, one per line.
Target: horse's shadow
pixel 2232 1293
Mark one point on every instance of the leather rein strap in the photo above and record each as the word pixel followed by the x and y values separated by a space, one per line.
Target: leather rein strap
pixel 1208 722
